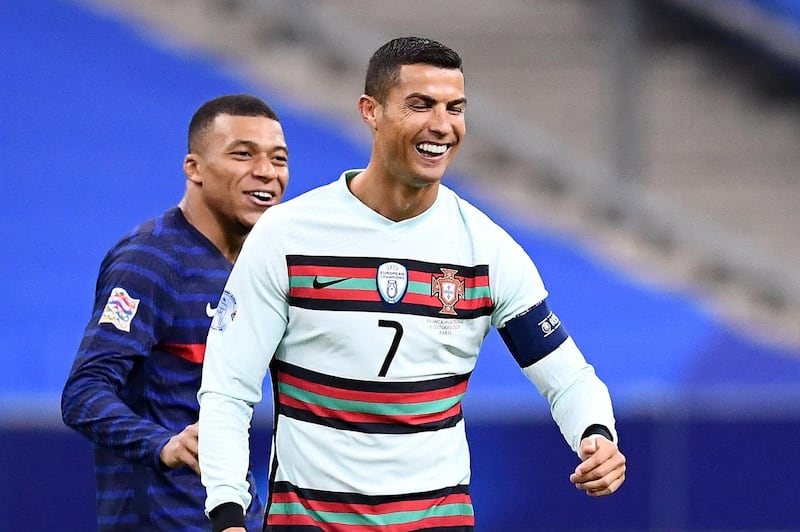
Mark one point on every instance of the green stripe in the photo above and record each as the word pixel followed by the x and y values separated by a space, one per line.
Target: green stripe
pixel 417 287
pixel 306 281
pixel 478 292
pixel 383 409
pixel 394 518
pixel 414 287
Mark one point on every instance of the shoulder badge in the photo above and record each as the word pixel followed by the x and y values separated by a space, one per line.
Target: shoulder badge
pixel 120 309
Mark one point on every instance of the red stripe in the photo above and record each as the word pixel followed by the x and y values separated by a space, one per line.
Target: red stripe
pixel 469 282
pixel 192 352
pixel 373 397
pixel 430 522
pixel 332 271
pixel 335 294
pixel 371 273
pixel 372 509
pixel 366 417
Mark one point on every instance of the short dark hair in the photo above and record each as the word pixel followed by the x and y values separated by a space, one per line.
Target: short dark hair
pixel 384 65
pixel 230 104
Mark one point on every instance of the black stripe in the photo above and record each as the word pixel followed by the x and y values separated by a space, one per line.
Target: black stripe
pixel 381 306
pixel 374 262
pixel 369 428
pixel 367 386
pixel 358 498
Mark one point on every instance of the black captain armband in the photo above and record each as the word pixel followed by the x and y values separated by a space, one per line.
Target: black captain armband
pixel 533 334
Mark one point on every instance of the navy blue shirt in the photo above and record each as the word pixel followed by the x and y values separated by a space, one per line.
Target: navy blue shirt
pixel 135 378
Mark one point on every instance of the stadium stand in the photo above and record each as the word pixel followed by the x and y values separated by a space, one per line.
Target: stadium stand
pixel 95 109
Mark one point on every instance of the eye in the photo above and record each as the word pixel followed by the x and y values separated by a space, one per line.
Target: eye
pixel 243 154
pixel 280 160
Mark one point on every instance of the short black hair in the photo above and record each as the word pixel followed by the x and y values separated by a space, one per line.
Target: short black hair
pixel 230 104
pixel 384 65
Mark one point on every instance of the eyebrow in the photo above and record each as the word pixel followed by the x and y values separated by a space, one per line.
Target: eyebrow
pixel 428 99
pixel 255 146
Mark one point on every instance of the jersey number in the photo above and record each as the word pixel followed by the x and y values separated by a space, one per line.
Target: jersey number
pixel 398 333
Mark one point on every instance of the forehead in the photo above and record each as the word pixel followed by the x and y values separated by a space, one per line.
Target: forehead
pixel 444 84
pixel 226 129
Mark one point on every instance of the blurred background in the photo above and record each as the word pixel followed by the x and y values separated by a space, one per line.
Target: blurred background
pixel 643 152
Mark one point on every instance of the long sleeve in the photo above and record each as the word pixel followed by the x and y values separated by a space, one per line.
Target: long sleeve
pixel 103 395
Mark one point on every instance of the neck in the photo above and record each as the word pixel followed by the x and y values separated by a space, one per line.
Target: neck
pixel 228 241
pixel 391 198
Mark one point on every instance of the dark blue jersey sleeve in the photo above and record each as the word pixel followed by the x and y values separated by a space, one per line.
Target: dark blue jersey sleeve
pixel 104 396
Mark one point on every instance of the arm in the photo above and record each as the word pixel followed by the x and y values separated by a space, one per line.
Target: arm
pixel 579 400
pixel 239 348
pixel 104 389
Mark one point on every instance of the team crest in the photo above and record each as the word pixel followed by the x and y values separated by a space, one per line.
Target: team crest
pixel 120 309
pixel 392 280
pixel 449 289
pixel 226 312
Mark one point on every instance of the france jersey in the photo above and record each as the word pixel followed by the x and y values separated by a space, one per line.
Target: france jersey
pixel 375 327
pixel 135 378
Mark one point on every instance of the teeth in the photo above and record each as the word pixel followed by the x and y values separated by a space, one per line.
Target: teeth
pixel 435 149
pixel 265 196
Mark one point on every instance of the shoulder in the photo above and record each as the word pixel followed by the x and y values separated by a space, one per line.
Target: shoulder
pixel 477 220
pixel 152 245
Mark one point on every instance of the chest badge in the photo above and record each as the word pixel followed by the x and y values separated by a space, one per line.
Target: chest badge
pixel 448 289
pixel 392 280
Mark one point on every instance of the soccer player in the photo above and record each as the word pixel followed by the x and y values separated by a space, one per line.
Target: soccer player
pixel 133 387
pixel 375 293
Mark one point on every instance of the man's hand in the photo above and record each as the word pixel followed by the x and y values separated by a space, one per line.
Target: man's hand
pixel 181 449
pixel 603 468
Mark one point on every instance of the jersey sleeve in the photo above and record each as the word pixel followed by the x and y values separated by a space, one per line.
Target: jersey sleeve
pixel 132 307
pixel 577 397
pixel 515 281
pixel 250 321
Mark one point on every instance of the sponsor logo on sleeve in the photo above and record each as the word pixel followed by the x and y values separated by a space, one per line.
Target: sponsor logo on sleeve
pixel 226 312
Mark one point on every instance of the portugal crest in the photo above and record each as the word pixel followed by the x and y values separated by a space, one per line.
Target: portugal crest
pixel 449 289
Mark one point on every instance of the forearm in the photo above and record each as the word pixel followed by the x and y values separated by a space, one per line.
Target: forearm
pixel 578 398
pixel 92 407
pixel 224 452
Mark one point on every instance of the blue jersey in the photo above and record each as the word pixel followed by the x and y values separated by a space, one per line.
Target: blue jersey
pixel 135 379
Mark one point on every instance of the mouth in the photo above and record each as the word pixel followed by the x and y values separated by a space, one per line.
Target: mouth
pixel 263 197
pixel 432 149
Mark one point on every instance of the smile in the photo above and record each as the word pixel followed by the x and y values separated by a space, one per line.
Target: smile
pixel 430 149
pixel 260 195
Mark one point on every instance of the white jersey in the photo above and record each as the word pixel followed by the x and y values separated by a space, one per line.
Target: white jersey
pixel 375 327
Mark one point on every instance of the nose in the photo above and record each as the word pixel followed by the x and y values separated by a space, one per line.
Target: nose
pixel 439 120
pixel 264 168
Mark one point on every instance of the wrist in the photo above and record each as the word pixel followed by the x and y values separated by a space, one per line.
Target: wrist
pixel 226 515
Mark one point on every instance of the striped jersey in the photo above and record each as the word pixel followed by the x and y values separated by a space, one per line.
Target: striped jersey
pixel 135 378
pixel 375 326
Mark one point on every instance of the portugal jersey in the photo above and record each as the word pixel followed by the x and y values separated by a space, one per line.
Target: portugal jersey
pixel 375 326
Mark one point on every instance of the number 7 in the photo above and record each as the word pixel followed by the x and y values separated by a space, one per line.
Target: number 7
pixel 398 333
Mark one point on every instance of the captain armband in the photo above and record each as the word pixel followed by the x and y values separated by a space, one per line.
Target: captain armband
pixel 533 334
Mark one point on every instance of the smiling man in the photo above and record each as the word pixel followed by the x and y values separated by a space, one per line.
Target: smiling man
pixel 132 389
pixel 375 293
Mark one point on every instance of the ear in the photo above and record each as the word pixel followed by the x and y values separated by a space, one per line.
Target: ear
pixel 190 168
pixel 368 107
